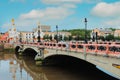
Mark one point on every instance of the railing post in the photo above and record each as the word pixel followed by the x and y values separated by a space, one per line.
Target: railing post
pixel 107 49
pixel 85 54
pixel 96 48
pixel 76 46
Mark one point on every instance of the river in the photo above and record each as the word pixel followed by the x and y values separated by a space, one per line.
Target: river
pixel 14 67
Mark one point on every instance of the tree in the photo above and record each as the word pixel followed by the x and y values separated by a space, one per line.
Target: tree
pixel 117 38
pixel 109 37
pixel 60 37
pixel 66 38
pixel 50 37
pixel 46 37
pixel 101 38
pixel 77 38
pixel 70 38
pixel 55 37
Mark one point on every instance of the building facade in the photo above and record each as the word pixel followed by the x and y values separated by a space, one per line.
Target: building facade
pixel 13 35
pixel 101 32
pixel 117 33
pixel 35 36
pixel 4 37
pixel 53 34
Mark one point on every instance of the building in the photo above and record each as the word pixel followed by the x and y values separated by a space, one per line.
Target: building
pixel 45 28
pixel 32 36
pixel 63 34
pixel 13 35
pixel 117 33
pixel 38 33
pixel 26 36
pixel 101 32
pixel 3 37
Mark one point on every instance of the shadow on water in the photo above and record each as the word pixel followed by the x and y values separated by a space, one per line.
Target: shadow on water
pixel 67 68
pixel 78 68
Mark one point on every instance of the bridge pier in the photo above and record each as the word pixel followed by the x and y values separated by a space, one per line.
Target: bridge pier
pixel 20 50
pixel 40 56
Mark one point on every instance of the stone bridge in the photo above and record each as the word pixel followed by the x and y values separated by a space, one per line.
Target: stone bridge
pixel 105 60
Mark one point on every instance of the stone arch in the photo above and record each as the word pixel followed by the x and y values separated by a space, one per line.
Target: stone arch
pixel 66 60
pixel 30 52
pixel 17 48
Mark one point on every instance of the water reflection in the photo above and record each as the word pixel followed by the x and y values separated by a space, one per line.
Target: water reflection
pixel 23 68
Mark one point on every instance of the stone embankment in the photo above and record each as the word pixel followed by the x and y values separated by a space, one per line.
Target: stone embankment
pixel 1 47
pixel 6 46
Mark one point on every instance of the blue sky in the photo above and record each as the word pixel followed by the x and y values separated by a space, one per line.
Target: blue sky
pixel 67 14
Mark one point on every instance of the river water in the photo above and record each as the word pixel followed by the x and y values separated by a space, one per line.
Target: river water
pixel 19 68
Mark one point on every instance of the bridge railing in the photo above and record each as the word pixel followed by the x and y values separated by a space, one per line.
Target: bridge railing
pixel 112 50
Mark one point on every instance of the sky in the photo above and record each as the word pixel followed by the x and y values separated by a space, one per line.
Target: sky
pixel 67 14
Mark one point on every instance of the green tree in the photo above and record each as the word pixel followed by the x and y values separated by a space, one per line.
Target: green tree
pixel 70 38
pixel 66 38
pixel 50 37
pixel 80 32
pixel 46 37
pixel 109 37
pixel 101 38
pixel 60 37
pixel 117 38
pixel 55 37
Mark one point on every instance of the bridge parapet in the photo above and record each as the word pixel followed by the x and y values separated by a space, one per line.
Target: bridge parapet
pixel 111 50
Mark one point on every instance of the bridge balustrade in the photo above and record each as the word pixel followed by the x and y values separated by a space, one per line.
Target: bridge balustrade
pixel 51 45
pixel 47 45
pixel 102 49
pixel 63 46
pixel 59 46
pixel 54 45
pixel 80 48
pixel 114 51
pixel 91 48
pixel 73 46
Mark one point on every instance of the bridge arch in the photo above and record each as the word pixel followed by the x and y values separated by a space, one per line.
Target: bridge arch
pixel 17 48
pixel 30 52
pixel 66 60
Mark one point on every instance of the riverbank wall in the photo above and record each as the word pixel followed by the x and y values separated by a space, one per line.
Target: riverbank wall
pixel 6 47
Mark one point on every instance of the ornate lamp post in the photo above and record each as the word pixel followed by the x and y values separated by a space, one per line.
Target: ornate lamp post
pixel 85 30
pixel 33 37
pixel 20 37
pixel 57 32
pixel 39 33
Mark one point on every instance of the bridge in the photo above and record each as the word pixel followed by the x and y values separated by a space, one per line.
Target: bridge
pixel 105 57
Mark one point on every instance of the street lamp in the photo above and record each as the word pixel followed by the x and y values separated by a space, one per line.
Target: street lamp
pixel 39 33
pixel 20 37
pixel 85 30
pixel 33 36
pixel 57 32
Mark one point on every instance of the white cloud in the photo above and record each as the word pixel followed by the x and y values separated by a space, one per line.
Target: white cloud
pixel 57 2
pixel 50 13
pixel 108 12
pixel 29 20
pixel 17 0
pixel 92 1
pixel 113 22
pixel 106 9
pixel 60 1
